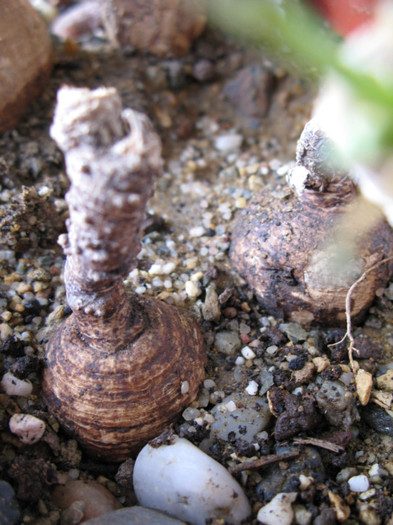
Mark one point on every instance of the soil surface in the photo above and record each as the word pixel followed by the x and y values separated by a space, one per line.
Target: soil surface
pixel 229 119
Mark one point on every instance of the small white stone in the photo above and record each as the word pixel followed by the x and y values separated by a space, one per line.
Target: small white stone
pixel 186 483
pixel 157 282
pixel 230 406
pixel 16 387
pixel 228 141
pixel 197 231
pixel 192 290
pixel 29 429
pixel 252 388
pixel 247 353
pixel 155 269
pixel 359 483
pixel 190 413
pixel 271 350
pixel 185 387
pixel 44 191
pixel 240 361
pixel 279 510
pixel 168 268
pixel 209 383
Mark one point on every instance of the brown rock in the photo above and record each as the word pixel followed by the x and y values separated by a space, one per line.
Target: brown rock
pixel 97 499
pixel 25 59
pixel 162 27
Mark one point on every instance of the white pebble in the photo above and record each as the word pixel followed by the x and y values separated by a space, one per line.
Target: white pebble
pixel 183 481
pixel 279 510
pixel 359 483
pixel 185 387
pixel 29 429
pixel 168 284
pixel 155 269
pixel 271 350
pixel 252 388
pixel 230 406
pixel 157 282
pixel 192 290
pixel 247 353
pixel 209 383
pixel 228 141
pixel 16 387
pixel 168 268
pixel 240 361
pixel 197 231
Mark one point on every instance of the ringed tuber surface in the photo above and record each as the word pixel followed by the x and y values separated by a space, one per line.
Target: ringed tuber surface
pixel 300 255
pixel 121 367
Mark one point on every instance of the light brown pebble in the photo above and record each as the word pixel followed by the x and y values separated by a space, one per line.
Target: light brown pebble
pixel 385 381
pixel 321 363
pixel 97 499
pixel 364 385
pixel 342 511
pixel 305 374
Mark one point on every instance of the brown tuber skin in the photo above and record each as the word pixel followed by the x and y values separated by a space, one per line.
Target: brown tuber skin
pixel 281 247
pixel 25 59
pixel 165 28
pixel 120 368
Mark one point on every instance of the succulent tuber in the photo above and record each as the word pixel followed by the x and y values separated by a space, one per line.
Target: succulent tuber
pixel 118 366
pixel 286 251
pixel 162 27
pixel 25 59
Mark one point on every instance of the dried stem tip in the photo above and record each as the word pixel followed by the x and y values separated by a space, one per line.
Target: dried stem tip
pixel 112 157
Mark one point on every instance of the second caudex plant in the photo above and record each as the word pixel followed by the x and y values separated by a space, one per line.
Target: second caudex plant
pixel 300 254
pixel 121 367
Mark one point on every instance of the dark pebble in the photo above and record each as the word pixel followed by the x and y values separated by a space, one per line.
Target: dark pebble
pixel 124 474
pixel 9 508
pixel 134 516
pixel 378 419
pixel 154 223
pixel 24 366
pixel 338 351
pixel 297 363
pixel 277 479
pixel 32 307
pixel 67 310
pixel 12 347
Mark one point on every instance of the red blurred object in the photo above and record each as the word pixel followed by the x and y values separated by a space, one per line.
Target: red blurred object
pixel 345 15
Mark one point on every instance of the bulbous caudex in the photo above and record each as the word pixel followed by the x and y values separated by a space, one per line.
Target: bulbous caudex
pixel 162 27
pixel 120 368
pixel 286 249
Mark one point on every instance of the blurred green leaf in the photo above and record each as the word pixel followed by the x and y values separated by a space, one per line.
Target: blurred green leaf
pixel 288 28
pixel 295 32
